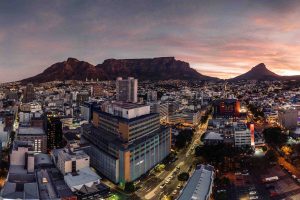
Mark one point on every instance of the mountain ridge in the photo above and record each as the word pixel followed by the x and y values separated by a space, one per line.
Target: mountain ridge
pixel 260 72
pixel 159 68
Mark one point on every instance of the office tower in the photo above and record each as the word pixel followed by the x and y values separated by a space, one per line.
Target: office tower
pixel 29 95
pixel 126 141
pixel 126 90
pixel 54 132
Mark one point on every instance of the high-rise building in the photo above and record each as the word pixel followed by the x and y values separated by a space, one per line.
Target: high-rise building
pixel 126 89
pixel 54 132
pixel 126 141
pixel 29 95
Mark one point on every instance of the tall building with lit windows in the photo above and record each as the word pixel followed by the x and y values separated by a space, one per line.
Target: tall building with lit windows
pixel 126 89
pixel 54 132
pixel 126 141
pixel 29 94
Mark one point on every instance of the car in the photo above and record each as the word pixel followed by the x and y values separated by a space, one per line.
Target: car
pixel 219 191
pixel 294 176
pixel 253 197
pixel 177 168
pixel 252 192
pixel 237 173
pixel 162 186
pixel 167 182
pixel 178 187
pixel 174 192
pixel 252 188
pixel 270 187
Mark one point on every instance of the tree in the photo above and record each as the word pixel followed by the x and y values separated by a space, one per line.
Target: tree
pixel 274 136
pixel 297 148
pixel 184 176
pixel 221 196
pixel 271 156
pixel 184 137
pixel 129 187
pixel 222 182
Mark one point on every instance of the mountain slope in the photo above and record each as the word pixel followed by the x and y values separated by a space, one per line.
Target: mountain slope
pixel 259 72
pixel 162 68
pixel 66 70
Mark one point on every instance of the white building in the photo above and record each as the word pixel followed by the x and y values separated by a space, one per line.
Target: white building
pixel 4 136
pixel 242 135
pixel 126 110
pixel 84 177
pixel 70 160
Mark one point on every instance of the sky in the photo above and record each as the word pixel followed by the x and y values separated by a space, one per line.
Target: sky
pixel 218 38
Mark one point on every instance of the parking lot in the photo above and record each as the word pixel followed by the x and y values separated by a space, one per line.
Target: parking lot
pixel 287 187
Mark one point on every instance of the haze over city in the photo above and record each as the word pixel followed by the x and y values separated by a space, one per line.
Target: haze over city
pixel 218 38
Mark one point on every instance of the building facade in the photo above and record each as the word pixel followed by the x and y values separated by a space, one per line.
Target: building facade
pixel 126 89
pixel 126 141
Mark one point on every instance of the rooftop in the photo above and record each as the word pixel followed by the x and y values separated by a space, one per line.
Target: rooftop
pixel 199 185
pixel 84 176
pixel 30 131
pixel 213 136
pixel 126 105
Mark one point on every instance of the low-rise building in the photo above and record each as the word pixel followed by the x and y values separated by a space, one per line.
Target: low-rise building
pixel 34 134
pixel 199 186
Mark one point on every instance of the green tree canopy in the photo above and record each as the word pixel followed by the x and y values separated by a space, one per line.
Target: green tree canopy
pixel 184 176
pixel 271 156
pixel 274 136
pixel 129 187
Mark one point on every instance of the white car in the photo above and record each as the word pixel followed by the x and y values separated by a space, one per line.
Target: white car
pixel 162 186
pixel 253 197
pixel 252 193
pixel 174 192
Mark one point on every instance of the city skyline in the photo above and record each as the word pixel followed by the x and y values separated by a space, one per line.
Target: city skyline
pixel 220 39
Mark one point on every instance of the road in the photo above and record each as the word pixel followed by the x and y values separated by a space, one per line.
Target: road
pixel 150 188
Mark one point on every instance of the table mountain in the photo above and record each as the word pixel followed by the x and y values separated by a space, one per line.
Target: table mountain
pixel 162 68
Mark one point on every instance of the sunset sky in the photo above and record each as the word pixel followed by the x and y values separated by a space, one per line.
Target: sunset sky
pixel 218 38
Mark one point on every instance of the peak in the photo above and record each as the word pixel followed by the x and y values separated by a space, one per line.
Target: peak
pixel 69 60
pixel 260 66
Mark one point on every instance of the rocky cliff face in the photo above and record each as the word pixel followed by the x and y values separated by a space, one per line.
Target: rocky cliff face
pixel 162 68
